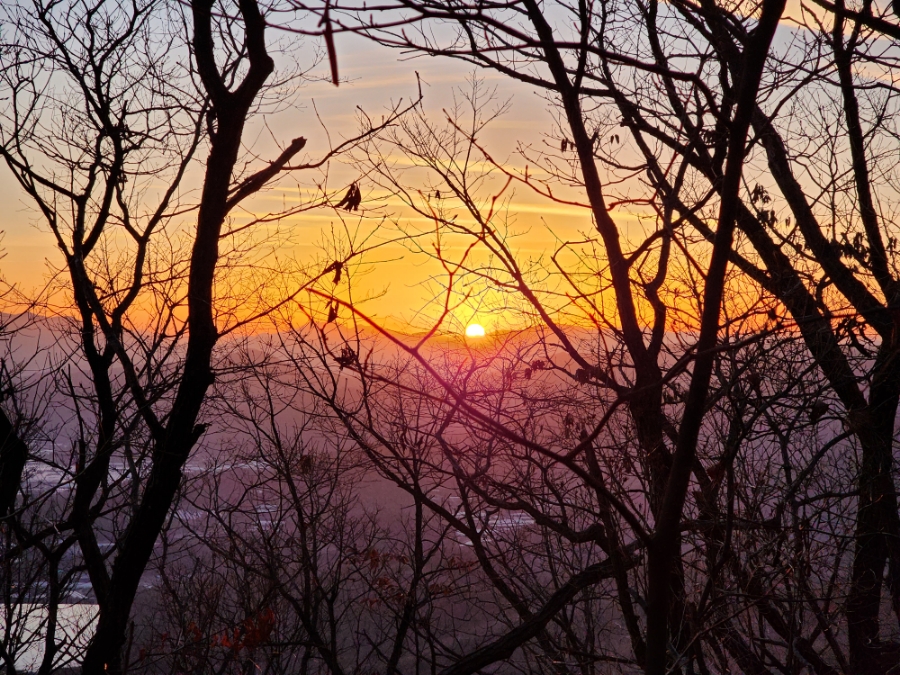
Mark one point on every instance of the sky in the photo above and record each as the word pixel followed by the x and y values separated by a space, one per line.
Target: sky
pixel 402 286
pixel 372 78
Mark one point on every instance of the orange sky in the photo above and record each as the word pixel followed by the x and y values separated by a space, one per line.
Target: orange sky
pixel 372 77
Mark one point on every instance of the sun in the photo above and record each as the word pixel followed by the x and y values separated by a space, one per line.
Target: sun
pixel 474 330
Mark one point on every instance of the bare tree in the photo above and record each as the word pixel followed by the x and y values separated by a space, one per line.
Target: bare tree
pixel 108 107
pixel 519 39
pixel 668 77
pixel 706 458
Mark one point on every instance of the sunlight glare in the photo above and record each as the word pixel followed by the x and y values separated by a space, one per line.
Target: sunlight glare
pixel 474 330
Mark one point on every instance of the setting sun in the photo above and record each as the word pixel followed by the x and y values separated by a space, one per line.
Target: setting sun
pixel 474 330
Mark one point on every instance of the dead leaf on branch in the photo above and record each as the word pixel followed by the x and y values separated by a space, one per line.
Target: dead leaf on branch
pixel 352 199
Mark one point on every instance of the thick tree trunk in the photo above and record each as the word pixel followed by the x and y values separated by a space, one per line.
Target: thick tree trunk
pixel 664 550
pixel 173 446
pixel 13 455
pixel 877 522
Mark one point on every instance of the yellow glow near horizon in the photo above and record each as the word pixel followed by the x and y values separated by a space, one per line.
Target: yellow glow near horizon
pixel 399 286
pixel 474 330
